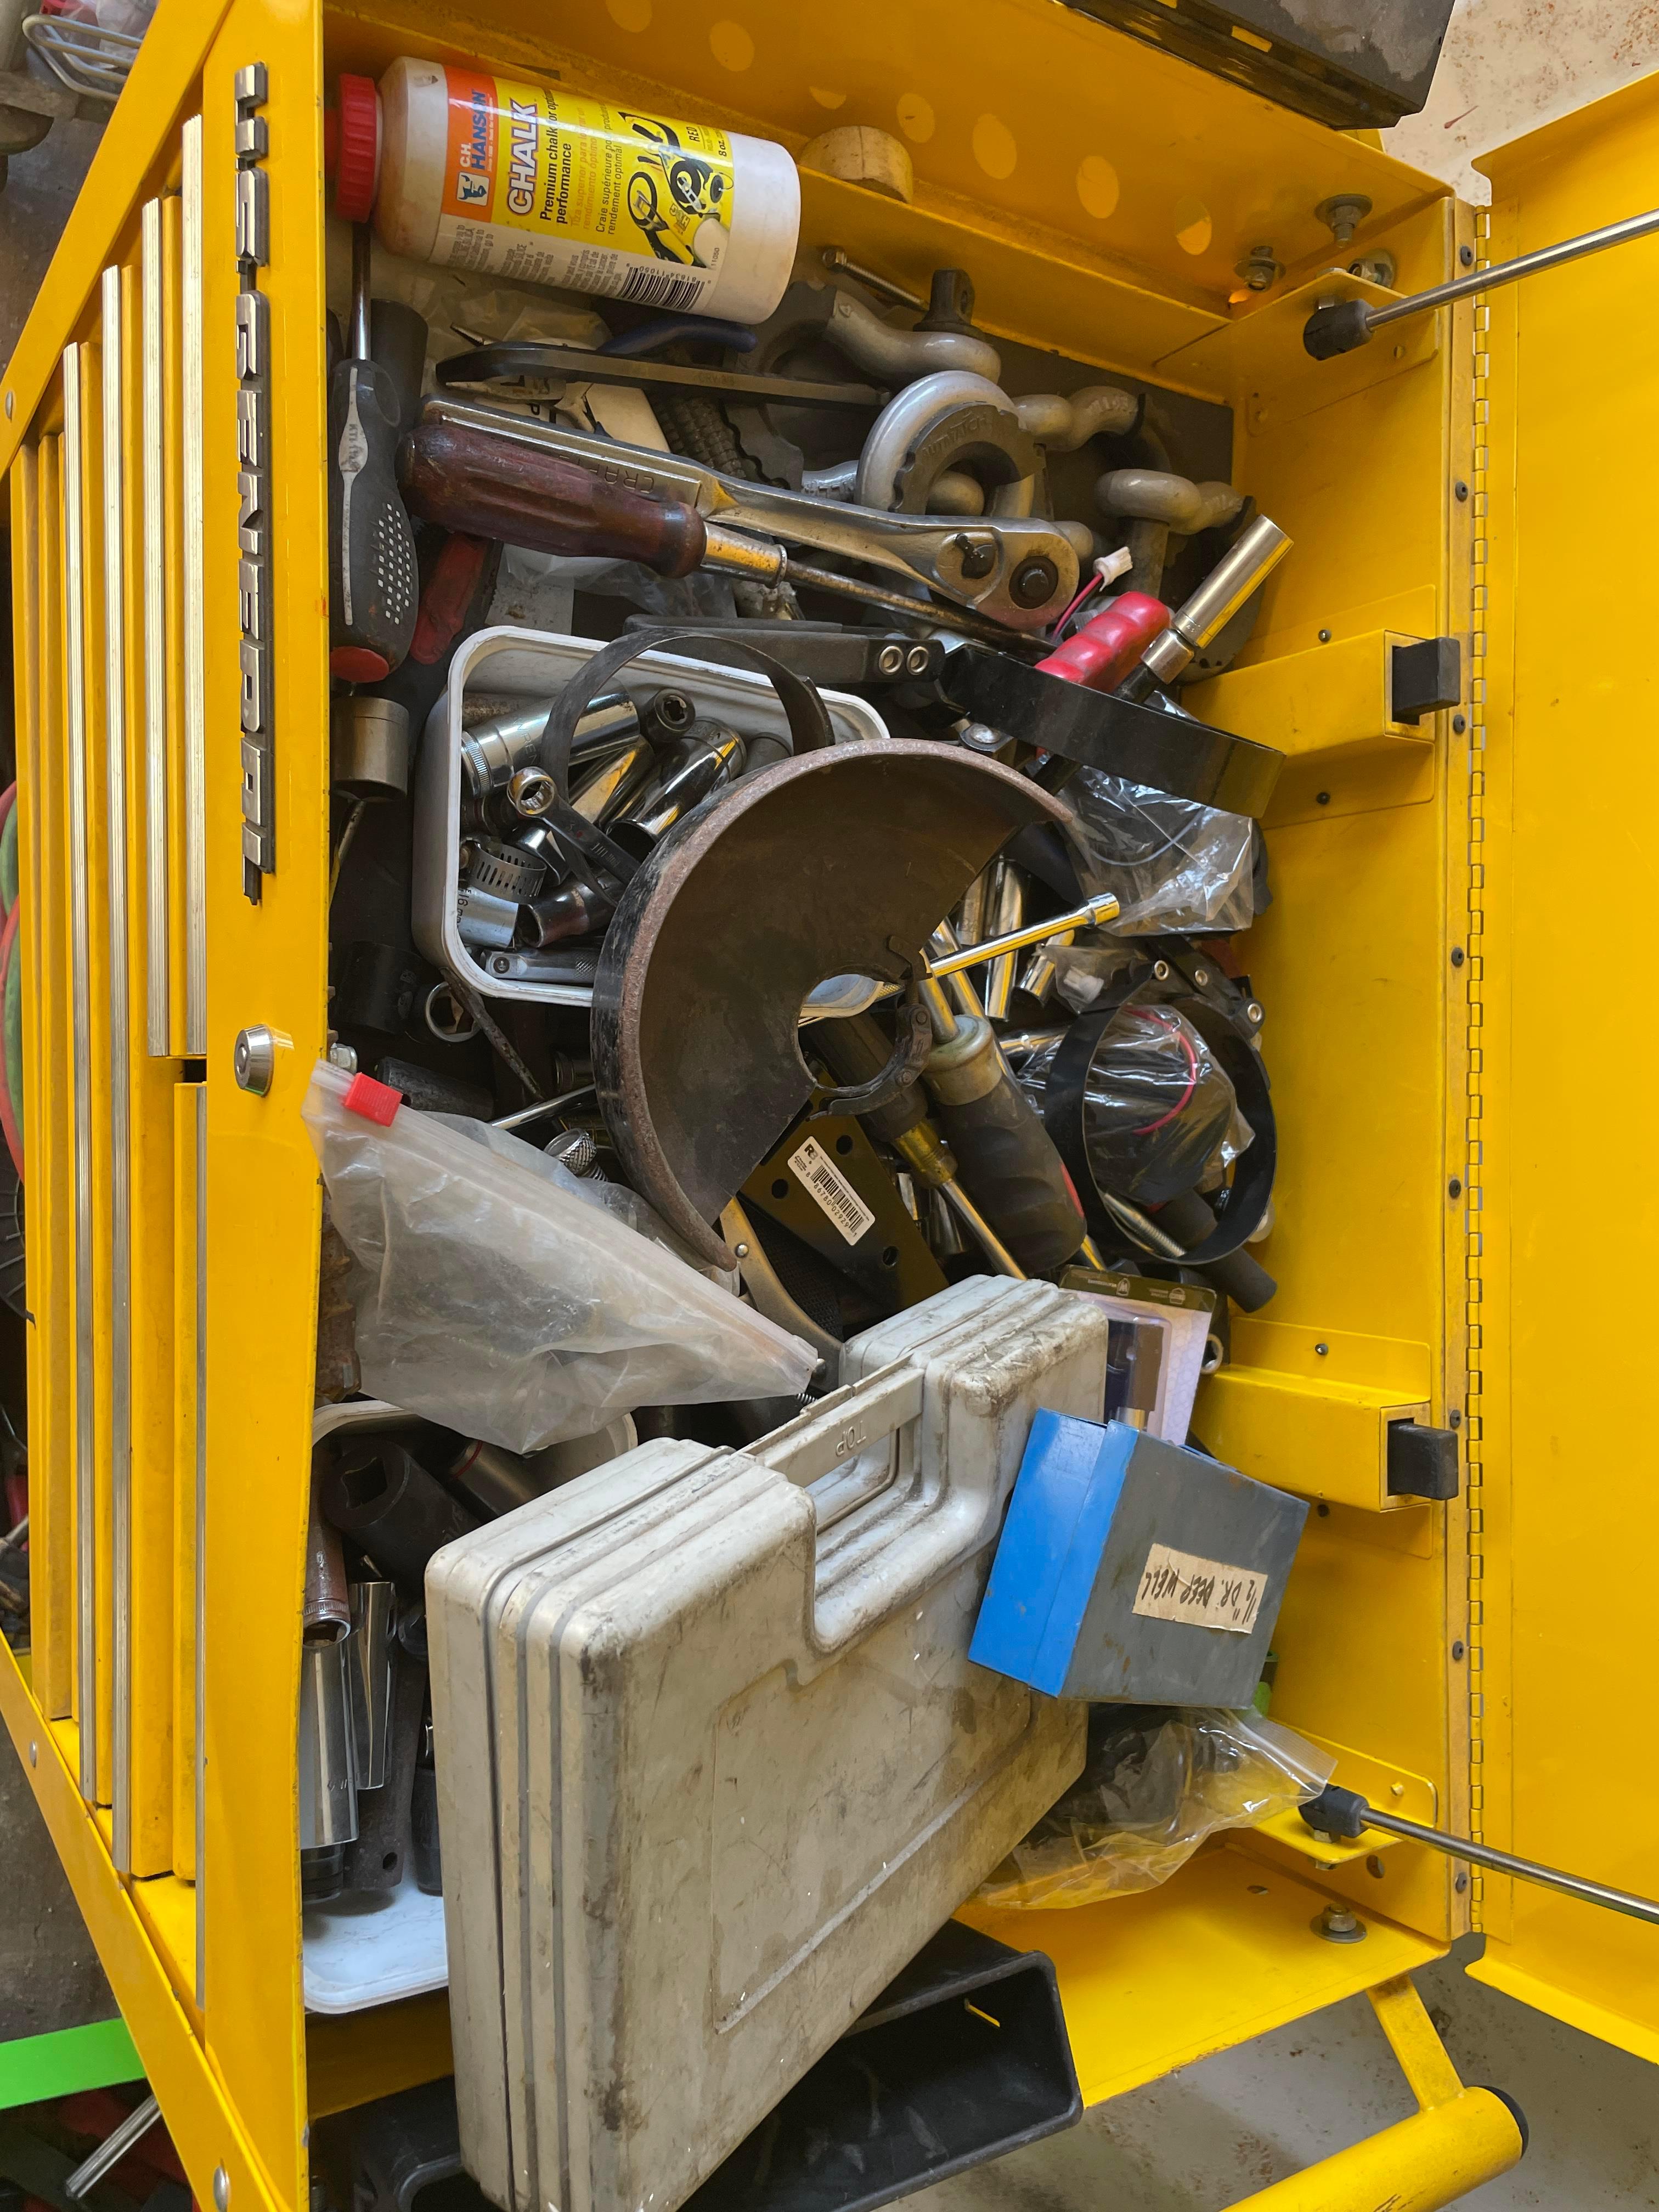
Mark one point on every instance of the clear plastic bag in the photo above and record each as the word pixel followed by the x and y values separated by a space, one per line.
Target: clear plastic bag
pixel 1158 1781
pixel 1160 1114
pixel 1172 865
pixel 500 1295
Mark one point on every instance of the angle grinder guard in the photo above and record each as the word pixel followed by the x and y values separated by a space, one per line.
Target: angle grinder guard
pixel 842 861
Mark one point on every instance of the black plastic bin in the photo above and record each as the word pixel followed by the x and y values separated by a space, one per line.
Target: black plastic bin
pixel 962 2057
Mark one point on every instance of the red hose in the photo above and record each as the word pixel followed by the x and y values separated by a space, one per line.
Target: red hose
pixel 13 1135
pixel 1147 1013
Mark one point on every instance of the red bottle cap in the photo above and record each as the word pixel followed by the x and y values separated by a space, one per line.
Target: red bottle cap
pixel 356 138
pixel 358 663
pixel 376 1102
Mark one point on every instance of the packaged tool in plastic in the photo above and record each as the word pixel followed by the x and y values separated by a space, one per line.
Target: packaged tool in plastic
pixel 1157 1782
pixel 1172 865
pixel 730 1695
pixel 1161 1339
pixel 499 1295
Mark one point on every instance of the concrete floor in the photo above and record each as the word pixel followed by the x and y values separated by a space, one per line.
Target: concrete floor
pixel 39 191
pixel 50 1977
pixel 1209 2135
pixel 1508 65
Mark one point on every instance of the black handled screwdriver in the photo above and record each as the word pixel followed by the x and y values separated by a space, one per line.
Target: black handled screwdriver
pixel 373 584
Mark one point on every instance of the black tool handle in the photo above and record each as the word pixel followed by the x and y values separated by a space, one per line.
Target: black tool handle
pixel 1010 1167
pixel 1336 1812
pixel 373 582
pixel 1191 1221
pixel 1338 328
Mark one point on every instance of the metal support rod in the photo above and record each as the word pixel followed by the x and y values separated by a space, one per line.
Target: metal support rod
pixel 113 2149
pixel 1343 325
pixel 1482 1855
pixel 1524 265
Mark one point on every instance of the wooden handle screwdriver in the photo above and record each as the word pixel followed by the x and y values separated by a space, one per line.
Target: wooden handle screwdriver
pixel 500 487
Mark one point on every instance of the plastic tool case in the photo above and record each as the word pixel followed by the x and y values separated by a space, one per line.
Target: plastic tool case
pixel 714 1762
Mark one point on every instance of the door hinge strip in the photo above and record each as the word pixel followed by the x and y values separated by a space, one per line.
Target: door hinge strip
pixel 1474 970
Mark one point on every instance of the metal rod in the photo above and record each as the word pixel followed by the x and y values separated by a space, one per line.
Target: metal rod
pixel 1100 909
pixel 1506 272
pixel 363 281
pixel 1144 1231
pixel 541 1106
pixel 158 960
pixel 995 1251
pixel 1482 1855
pixel 933 612
pixel 835 261
pixel 195 840
pixel 113 342
pixel 86 1440
pixel 966 999
pixel 114 2148
pixel 344 846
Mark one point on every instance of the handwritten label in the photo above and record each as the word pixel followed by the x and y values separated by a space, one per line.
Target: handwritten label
pixel 1176 1586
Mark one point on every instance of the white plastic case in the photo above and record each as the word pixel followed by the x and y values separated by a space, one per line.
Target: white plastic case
pixel 740 1766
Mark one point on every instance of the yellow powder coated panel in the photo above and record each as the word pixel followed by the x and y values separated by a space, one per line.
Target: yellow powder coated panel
pixel 1327 1440
pixel 1240 1931
pixel 1100 194
pixel 1571 1061
pixel 1333 698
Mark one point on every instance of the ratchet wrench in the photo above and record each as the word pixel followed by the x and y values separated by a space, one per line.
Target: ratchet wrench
pixel 1017 571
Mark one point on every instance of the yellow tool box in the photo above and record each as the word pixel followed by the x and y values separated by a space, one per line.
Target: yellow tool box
pixel 1441 1133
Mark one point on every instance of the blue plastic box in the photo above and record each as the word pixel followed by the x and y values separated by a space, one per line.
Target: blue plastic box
pixel 1132 1571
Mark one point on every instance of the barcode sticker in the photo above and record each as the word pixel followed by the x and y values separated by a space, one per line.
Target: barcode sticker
pixel 661 288
pixel 1176 1586
pixel 821 1180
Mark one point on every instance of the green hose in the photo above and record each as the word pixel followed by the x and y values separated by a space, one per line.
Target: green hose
pixel 12 1015
pixel 9 864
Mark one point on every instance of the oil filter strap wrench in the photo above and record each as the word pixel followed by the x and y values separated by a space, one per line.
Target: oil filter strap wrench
pixel 1066 1104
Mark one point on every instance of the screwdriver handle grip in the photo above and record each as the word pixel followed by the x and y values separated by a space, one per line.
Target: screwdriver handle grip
pixel 468 479
pixel 1105 650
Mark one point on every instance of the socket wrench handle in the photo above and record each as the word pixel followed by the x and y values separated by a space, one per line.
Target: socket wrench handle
pixel 1093 911
pixel 465 478
pixel 1342 326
